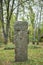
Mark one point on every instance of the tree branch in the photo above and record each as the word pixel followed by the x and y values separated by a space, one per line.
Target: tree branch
pixel 11 10
pixel 20 4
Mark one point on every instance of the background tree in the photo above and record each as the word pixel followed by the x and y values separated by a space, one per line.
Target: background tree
pixel 20 10
pixel 7 19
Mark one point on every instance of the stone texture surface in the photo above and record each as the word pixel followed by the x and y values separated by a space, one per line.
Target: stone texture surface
pixel 21 40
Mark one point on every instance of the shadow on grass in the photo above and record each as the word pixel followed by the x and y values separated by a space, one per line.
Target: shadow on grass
pixel 31 47
pixel 9 48
pixel 34 47
pixel 28 62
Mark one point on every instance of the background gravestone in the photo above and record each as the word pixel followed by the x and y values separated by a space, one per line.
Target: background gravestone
pixel 21 40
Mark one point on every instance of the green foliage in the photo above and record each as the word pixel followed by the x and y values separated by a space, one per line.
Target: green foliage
pixel 1 34
pixel 41 28
pixel 11 31
pixel 9 46
pixel 32 15
pixel 0 24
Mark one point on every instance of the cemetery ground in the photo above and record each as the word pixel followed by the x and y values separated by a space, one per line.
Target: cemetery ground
pixel 35 55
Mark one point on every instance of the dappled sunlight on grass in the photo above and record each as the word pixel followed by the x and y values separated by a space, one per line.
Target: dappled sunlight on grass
pixel 35 56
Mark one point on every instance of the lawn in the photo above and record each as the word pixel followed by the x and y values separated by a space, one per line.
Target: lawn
pixel 35 55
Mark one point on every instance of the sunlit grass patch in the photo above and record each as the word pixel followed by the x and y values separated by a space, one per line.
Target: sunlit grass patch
pixel 35 55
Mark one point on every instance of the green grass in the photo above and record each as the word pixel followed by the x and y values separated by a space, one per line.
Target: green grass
pixel 35 55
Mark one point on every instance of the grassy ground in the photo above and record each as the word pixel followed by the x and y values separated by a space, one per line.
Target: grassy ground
pixel 35 55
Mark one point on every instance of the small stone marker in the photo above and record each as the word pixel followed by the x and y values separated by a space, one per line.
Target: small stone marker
pixel 21 40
